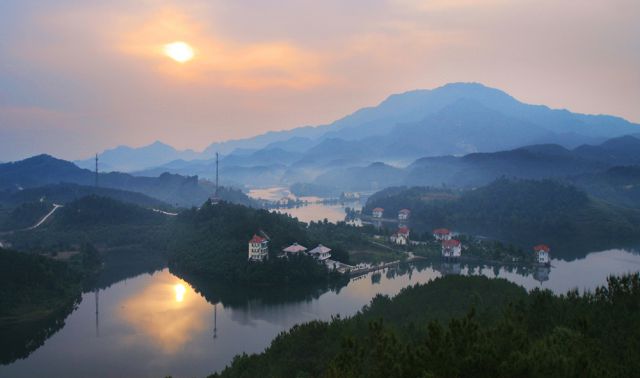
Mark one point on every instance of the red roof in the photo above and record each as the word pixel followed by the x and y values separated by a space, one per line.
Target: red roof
pixel 378 209
pixel 541 247
pixel 257 239
pixel 451 243
pixel 441 231
pixel 403 230
pixel 405 211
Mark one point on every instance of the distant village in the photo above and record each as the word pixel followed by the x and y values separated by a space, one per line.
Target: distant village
pixel 451 248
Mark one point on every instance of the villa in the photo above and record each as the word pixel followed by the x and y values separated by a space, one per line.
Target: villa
pixel 258 248
pixel 377 212
pixel 320 252
pixel 451 249
pixel 293 250
pixel 401 237
pixel 542 254
pixel 442 234
pixel 404 214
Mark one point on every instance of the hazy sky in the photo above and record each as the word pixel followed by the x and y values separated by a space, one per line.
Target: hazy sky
pixel 78 76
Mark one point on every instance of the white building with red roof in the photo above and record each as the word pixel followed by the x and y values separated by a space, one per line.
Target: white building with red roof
pixel 442 234
pixel 451 249
pixel 258 248
pixel 401 237
pixel 378 212
pixel 542 254
pixel 404 214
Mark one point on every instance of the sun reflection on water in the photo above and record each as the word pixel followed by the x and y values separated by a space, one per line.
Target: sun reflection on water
pixel 180 290
pixel 167 313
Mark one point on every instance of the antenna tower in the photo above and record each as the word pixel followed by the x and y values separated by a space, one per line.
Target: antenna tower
pixel 96 170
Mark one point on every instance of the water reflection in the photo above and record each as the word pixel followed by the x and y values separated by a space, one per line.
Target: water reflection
pixel 157 324
pixel 19 340
pixel 167 311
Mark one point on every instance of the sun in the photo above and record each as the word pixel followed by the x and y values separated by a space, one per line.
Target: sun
pixel 180 290
pixel 179 51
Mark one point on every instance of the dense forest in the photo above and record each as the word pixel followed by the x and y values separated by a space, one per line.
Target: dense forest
pixel 32 286
pixel 465 327
pixel 522 211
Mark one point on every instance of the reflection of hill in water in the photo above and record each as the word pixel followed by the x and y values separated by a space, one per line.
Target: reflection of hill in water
pixel 122 264
pixel 21 339
pixel 236 296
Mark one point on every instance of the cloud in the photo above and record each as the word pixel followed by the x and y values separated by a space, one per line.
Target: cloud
pixel 219 61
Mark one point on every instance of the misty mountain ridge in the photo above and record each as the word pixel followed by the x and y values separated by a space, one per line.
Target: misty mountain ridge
pixel 454 119
pixel 127 159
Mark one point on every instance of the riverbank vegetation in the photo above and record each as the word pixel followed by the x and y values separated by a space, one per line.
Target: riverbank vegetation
pixel 465 326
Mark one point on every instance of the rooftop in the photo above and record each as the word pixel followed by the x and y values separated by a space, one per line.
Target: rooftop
pixel 257 239
pixel 451 243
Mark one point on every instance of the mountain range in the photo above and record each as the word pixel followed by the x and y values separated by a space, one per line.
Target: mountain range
pixel 455 119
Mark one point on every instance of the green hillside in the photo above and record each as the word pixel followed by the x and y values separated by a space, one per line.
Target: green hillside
pixel 460 326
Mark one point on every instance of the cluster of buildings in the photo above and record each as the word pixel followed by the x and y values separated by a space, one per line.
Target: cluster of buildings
pixel 403 214
pixel 259 250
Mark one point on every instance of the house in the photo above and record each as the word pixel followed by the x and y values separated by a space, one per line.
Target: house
pixel 404 214
pixel 542 254
pixel 377 212
pixel 442 234
pixel 451 249
pixel 294 249
pixel 401 237
pixel 258 248
pixel 320 252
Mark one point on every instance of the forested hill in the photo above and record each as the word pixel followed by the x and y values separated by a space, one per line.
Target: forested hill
pixel 523 211
pixel 460 326
pixel 212 242
pixel 102 221
pixel 173 189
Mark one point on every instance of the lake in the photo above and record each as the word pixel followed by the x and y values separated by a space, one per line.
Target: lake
pixel 156 324
pixel 315 210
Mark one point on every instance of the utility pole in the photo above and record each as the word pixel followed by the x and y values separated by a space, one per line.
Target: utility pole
pixel 96 170
pixel 215 320
pixel 216 175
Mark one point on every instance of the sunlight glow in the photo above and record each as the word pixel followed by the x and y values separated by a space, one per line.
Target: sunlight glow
pixel 180 290
pixel 179 51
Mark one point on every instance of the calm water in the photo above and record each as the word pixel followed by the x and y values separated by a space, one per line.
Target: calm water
pixel 314 211
pixel 155 324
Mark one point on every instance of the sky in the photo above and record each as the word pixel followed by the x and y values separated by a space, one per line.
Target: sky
pixel 80 76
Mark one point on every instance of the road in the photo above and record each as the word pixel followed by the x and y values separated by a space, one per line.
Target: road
pixel 165 212
pixel 44 219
